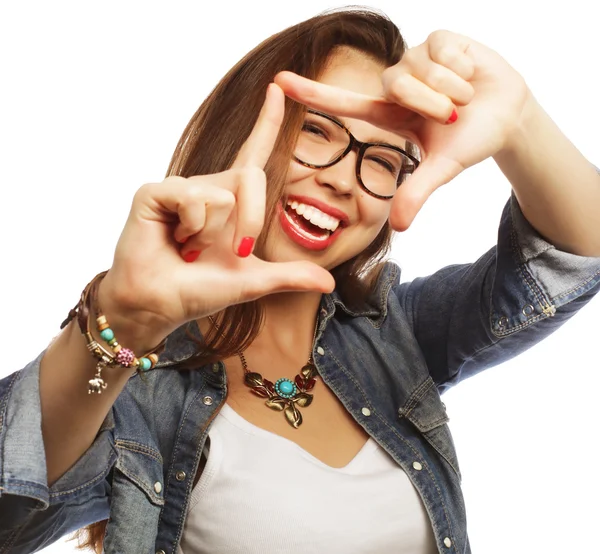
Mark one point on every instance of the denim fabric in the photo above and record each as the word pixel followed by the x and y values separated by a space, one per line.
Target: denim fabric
pixel 387 363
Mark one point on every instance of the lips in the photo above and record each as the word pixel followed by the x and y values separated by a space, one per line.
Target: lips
pixel 303 239
pixel 325 208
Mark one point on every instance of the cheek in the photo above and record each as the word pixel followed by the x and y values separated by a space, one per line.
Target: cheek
pixel 373 211
pixel 298 172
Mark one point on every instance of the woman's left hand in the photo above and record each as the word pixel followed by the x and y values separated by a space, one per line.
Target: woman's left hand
pixel 420 93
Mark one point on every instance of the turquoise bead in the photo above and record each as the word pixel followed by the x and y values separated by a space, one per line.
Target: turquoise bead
pixel 286 387
pixel 107 335
pixel 145 364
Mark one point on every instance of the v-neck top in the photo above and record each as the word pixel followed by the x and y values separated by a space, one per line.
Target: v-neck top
pixel 260 492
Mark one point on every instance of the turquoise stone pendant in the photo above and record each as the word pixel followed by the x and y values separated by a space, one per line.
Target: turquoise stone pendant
pixel 285 395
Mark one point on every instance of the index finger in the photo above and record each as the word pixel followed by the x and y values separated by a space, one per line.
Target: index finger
pixel 319 96
pixel 259 145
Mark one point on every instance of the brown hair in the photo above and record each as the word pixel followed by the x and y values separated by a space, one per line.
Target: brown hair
pixel 218 129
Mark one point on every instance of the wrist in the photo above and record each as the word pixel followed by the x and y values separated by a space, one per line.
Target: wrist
pixel 129 328
pixel 528 131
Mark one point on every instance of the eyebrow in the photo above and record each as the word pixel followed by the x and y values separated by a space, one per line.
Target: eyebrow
pixel 338 120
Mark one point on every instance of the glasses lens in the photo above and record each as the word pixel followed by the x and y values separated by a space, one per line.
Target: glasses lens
pixel 321 141
pixel 383 169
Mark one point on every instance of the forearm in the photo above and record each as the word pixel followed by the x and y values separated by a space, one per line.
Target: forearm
pixel 557 188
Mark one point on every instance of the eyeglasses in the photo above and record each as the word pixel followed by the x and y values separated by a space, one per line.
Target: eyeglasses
pixel 380 168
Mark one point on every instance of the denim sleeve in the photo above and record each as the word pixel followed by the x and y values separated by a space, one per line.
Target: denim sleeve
pixel 32 514
pixel 467 318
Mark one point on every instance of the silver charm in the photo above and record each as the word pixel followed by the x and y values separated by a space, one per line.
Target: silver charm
pixel 97 384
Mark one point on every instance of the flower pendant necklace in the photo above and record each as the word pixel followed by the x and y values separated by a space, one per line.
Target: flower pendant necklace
pixel 284 395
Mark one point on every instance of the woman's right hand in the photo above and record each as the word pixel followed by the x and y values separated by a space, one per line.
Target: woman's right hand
pixel 151 289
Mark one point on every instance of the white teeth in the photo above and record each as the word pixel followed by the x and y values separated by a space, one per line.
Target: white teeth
pixel 315 216
pixel 304 232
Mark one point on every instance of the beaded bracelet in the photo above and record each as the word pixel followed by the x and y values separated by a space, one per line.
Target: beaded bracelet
pixel 119 357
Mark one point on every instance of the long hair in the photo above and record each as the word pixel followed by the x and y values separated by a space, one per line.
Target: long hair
pixel 223 122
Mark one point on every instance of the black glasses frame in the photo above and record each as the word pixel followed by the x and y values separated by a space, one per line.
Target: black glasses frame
pixel 361 147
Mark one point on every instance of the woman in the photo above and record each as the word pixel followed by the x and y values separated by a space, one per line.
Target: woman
pixel 179 457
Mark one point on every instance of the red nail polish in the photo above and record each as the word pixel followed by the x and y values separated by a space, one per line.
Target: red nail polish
pixel 191 256
pixel 452 118
pixel 245 247
pixel 183 240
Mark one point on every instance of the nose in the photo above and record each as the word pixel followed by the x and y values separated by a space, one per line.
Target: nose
pixel 340 176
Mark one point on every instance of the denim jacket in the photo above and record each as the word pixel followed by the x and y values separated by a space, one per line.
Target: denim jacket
pixel 387 363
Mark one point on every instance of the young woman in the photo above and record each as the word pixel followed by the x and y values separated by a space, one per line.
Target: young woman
pixel 295 406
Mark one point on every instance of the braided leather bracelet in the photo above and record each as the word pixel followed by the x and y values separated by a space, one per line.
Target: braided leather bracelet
pixel 119 357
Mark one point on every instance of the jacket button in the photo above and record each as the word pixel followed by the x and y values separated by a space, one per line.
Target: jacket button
pixel 215 368
pixel 320 350
pixel 447 542
pixel 528 310
pixel 158 487
pixel 160 552
pixel 207 400
pixel 180 475
pixel 417 466
pixel 366 411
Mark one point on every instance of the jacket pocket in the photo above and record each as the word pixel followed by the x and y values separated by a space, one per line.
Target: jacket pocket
pixel 142 466
pixel 136 500
pixel 426 411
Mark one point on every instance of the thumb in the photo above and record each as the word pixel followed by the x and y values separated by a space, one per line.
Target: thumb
pixel 410 197
pixel 301 276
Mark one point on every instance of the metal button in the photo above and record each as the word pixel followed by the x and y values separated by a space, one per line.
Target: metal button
pixel 160 552
pixel 180 475
pixel 158 487
pixel 417 466
pixel 447 542
pixel 366 411
pixel 502 322
pixel 207 400
pixel 320 350
pixel 528 310
pixel 215 368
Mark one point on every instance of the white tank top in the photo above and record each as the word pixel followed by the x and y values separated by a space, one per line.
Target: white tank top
pixel 261 493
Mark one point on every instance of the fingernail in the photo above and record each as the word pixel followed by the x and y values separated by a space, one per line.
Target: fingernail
pixel 245 247
pixel 191 256
pixel 182 240
pixel 453 117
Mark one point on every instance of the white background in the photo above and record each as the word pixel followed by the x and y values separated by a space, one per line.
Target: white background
pixel 93 99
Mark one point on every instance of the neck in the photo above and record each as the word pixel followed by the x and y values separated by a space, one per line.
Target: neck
pixel 289 324
pixel 290 320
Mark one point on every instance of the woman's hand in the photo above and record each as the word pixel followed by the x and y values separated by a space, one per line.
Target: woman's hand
pixel 447 72
pixel 180 256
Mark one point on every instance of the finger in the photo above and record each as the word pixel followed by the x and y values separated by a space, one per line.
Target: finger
pixel 251 205
pixel 445 81
pixel 408 91
pixel 410 197
pixel 204 219
pixel 342 102
pixel 302 276
pixel 451 50
pixel 200 206
pixel 259 145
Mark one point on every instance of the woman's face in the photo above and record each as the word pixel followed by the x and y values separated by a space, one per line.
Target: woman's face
pixel 334 190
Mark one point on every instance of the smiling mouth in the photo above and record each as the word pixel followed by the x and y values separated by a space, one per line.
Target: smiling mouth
pixel 305 227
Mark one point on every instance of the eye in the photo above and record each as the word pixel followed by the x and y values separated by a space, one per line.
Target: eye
pixel 384 164
pixel 315 130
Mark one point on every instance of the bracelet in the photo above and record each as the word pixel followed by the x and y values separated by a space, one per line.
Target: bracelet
pixel 119 357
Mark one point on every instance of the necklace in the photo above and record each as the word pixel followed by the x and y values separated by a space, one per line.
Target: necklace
pixel 284 395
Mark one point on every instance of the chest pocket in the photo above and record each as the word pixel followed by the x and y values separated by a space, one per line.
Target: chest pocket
pixel 426 411
pixel 136 500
